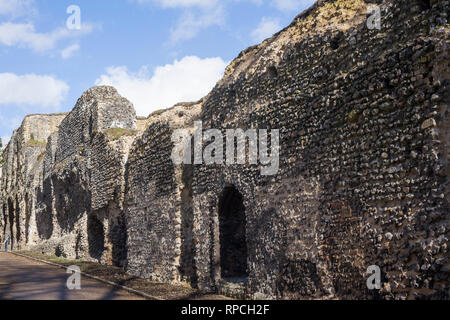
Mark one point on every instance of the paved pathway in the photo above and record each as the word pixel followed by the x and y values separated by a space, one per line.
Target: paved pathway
pixel 24 279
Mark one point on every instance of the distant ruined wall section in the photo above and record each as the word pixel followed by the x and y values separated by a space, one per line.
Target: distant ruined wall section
pixel 363 179
pixel 23 161
pixel 63 179
pixel 98 110
pixel 83 180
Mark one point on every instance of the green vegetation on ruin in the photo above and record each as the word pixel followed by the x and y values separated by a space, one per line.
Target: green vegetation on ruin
pixel 116 133
pixel 36 143
pixel 353 116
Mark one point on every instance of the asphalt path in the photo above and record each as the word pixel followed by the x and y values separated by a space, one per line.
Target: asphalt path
pixel 25 279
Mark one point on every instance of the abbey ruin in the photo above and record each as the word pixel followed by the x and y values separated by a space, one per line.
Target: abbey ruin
pixel 363 177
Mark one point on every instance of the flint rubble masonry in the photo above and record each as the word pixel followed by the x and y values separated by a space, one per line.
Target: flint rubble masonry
pixel 363 173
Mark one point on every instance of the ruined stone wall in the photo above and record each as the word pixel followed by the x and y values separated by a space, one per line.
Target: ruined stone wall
pixel 23 161
pixel 80 213
pixel 63 179
pixel 363 176
pixel 157 206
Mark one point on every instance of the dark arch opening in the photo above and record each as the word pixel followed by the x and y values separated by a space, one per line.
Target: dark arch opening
pixel 424 4
pixel 11 221
pixel 44 216
pixel 118 238
pixel 27 217
pixel 4 221
pixel 335 43
pixel 18 221
pixel 188 267
pixel 272 71
pixel 4 217
pixel 96 237
pixel 232 227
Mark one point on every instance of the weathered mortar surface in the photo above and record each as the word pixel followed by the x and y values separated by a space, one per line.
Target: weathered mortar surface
pixel 363 179
pixel 141 123
pixel 363 176
pixel 156 214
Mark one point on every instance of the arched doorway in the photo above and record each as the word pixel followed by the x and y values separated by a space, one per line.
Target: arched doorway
pixel 11 222
pixel 18 221
pixel 5 218
pixel 27 217
pixel 96 237
pixel 4 223
pixel 232 226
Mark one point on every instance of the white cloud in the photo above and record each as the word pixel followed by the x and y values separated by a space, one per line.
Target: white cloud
pixel 16 8
pixel 32 89
pixel 266 28
pixel 188 79
pixel 190 24
pixel 197 15
pixel 202 14
pixel 70 51
pixel 23 35
pixel 292 5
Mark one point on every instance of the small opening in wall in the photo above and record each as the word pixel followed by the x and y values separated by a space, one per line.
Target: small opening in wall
pixel 232 228
pixel 272 71
pixel 425 4
pixel 334 43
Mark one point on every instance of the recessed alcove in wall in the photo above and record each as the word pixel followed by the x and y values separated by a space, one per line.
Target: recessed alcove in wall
pixel 27 217
pixel 272 72
pixel 187 266
pixel 44 215
pixel 11 220
pixel 4 218
pixel 335 43
pixel 424 4
pixel 96 237
pixel 18 220
pixel 232 228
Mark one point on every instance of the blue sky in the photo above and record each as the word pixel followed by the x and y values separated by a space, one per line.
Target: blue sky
pixel 155 52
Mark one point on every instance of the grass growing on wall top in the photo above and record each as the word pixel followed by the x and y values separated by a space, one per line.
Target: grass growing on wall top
pixel 116 133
